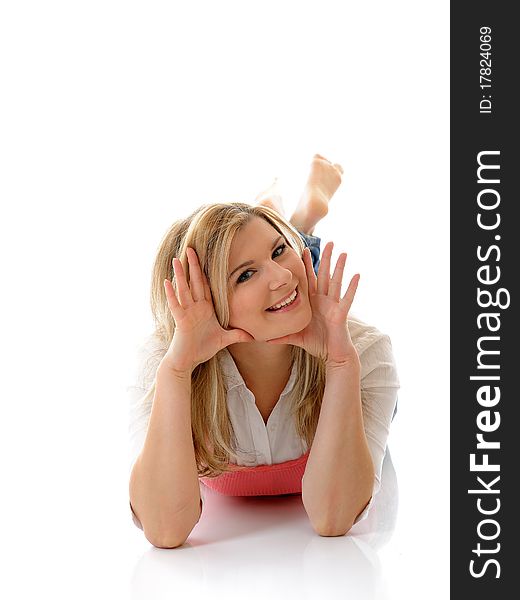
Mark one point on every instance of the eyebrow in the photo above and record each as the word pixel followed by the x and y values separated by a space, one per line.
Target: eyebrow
pixel 250 262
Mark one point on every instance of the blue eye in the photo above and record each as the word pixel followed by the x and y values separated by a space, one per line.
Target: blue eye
pixel 282 246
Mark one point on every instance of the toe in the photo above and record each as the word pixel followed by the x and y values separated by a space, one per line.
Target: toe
pixel 338 168
pixel 321 157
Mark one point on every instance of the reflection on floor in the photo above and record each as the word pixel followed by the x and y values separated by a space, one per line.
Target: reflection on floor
pixel 264 547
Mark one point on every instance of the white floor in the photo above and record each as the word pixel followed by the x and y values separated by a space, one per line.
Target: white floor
pixel 264 547
pixel 67 533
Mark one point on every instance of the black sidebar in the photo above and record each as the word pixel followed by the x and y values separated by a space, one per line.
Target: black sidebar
pixel 485 334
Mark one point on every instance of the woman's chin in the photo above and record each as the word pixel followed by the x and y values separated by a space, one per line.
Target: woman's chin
pixel 292 328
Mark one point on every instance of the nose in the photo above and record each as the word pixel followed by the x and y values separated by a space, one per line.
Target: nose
pixel 278 276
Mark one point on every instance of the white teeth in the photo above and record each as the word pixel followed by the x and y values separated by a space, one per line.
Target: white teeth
pixel 285 302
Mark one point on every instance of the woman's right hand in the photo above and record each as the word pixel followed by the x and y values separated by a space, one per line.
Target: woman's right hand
pixel 198 335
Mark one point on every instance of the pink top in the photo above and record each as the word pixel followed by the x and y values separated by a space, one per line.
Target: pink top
pixel 263 480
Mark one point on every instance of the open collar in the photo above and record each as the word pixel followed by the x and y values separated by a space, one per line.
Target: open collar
pixel 233 378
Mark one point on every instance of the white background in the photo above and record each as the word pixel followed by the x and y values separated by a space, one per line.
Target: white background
pixel 118 118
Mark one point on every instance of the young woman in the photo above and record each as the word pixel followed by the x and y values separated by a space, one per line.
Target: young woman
pixel 257 380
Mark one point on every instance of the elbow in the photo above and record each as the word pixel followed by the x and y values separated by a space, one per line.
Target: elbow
pixel 169 538
pixel 341 524
pixel 335 523
pixel 166 542
pixel 332 529
pixel 328 525
pixel 172 536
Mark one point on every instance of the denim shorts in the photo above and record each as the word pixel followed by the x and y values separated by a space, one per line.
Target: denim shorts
pixel 313 243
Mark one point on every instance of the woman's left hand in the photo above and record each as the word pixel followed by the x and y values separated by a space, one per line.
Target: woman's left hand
pixel 327 335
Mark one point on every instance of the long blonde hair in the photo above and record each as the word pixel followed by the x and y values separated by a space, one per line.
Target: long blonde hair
pixel 210 231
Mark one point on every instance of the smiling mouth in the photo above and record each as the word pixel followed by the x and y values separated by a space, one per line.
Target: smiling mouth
pixel 293 296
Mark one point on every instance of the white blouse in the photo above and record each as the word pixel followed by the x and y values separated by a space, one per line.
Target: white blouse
pixel 259 443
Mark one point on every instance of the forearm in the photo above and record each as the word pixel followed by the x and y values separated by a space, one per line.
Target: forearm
pixel 339 475
pixel 164 486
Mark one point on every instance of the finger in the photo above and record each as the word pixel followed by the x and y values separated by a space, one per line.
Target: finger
pixel 207 289
pixel 309 269
pixel 237 336
pixel 295 339
pixel 348 298
pixel 171 298
pixel 324 270
pixel 196 284
pixel 286 339
pixel 181 284
pixel 337 277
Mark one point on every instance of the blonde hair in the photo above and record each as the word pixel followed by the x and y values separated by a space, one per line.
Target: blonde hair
pixel 210 231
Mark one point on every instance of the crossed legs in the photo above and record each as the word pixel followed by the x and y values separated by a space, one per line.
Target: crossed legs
pixel 323 180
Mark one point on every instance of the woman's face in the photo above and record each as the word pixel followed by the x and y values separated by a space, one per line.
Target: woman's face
pixel 272 273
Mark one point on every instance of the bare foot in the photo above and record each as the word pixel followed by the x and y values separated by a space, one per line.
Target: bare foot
pixel 324 179
pixel 271 197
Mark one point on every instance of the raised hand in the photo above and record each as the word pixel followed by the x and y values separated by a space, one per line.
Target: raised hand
pixel 198 335
pixel 327 335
